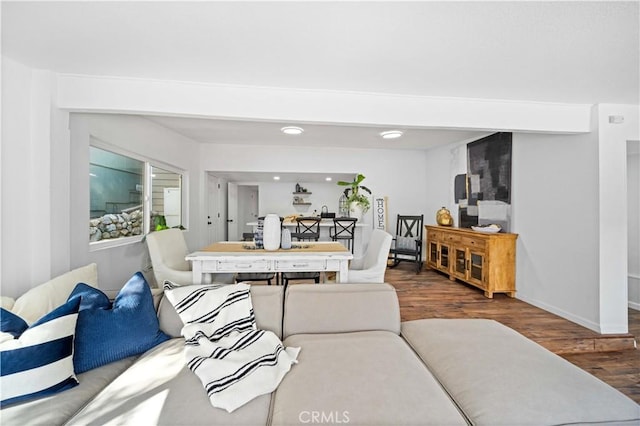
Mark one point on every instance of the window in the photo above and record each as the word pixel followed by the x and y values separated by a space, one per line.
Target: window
pixel 130 197
pixel 166 198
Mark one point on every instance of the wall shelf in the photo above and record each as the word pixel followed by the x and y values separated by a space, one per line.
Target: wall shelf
pixel 299 198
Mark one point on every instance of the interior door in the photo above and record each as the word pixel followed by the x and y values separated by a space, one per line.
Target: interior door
pixel 232 211
pixel 247 207
pixel 216 220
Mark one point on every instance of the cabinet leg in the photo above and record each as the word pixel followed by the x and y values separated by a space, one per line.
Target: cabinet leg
pixel 452 278
pixel 511 294
pixel 488 294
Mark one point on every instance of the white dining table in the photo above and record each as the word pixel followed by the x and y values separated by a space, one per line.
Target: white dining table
pixel 237 256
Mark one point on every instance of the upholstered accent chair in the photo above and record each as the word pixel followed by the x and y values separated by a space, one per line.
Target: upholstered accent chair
pixel 167 250
pixel 371 267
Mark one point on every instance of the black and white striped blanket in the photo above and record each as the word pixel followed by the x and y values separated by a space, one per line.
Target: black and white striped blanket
pixel 234 360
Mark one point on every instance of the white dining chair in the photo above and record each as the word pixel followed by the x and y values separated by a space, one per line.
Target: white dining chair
pixel 167 250
pixel 371 267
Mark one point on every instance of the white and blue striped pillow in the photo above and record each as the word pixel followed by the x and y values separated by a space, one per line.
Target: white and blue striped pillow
pixel 38 360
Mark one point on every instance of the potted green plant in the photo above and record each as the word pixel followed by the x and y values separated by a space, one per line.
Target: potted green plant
pixel 358 202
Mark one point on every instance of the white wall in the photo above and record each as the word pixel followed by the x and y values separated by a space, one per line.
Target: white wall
pixel 141 137
pixel 59 224
pixel 633 222
pixel 28 192
pixel 612 149
pixel 555 212
pixel 16 156
pixel 277 197
pixel 399 174
pixel 443 165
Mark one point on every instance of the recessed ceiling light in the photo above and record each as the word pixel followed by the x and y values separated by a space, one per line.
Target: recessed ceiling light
pixel 276 178
pixel 391 134
pixel 328 178
pixel 292 130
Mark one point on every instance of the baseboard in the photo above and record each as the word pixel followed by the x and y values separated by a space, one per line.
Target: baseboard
pixel 566 315
pixel 634 288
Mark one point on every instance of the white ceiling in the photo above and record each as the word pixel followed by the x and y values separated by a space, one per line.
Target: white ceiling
pixel 263 132
pixel 569 52
pixel 300 177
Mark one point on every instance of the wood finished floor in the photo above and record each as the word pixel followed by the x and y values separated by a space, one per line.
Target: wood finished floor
pixel 613 359
pixel 429 294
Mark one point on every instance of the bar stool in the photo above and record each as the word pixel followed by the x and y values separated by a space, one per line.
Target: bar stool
pixel 344 229
pixel 307 228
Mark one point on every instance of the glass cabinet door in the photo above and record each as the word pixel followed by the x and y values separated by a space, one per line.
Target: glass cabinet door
pixel 476 268
pixel 460 267
pixel 444 257
pixel 433 253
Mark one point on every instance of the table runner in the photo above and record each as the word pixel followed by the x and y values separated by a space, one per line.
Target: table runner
pixel 308 247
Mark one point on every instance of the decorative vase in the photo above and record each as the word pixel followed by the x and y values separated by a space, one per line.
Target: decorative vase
pixel 443 217
pixel 355 210
pixel 257 235
pixel 285 239
pixel 271 232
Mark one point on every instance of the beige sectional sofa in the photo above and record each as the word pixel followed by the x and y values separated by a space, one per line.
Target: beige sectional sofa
pixel 358 365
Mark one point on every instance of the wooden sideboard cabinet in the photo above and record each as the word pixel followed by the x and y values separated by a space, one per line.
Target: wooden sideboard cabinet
pixel 484 260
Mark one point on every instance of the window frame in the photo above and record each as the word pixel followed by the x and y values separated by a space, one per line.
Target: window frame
pixel 149 163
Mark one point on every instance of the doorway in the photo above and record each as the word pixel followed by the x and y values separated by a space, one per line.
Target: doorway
pixel 247 208
pixel 242 208
pixel 216 209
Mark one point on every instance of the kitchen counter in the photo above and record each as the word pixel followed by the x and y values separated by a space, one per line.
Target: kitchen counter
pixel 324 223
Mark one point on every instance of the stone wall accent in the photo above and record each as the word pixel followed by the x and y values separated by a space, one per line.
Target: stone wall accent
pixel 116 225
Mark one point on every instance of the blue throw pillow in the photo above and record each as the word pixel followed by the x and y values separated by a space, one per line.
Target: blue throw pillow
pixel 39 360
pixel 11 323
pixel 109 332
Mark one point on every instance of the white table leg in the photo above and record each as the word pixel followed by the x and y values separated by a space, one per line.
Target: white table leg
pixel 343 274
pixel 196 267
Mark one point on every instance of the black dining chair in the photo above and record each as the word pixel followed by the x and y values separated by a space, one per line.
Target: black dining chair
pixel 255 276
pixel 307 229
pixel 344 229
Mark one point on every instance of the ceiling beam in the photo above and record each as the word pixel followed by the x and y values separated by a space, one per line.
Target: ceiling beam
pixel 160 97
